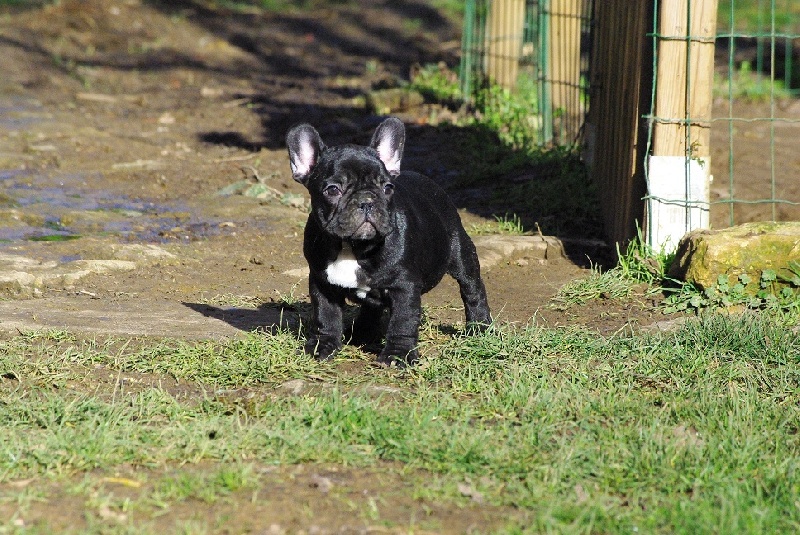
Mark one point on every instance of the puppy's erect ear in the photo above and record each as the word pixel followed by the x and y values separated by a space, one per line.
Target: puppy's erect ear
pixel 389 140
pixel 304 146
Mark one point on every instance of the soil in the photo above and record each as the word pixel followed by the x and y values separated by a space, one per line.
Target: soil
pixel 123 122
pixel 761 149
pixel 139 125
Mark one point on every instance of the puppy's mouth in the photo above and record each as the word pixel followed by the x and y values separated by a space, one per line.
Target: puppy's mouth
pixel 360 223
pixel 365 231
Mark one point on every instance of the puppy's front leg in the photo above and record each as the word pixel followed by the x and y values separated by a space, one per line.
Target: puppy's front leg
pixel 402 333
pixel 327 302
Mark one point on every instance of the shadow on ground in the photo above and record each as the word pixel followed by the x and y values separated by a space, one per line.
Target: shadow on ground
pixel 315 66
pixel 269 317
pixel 311 66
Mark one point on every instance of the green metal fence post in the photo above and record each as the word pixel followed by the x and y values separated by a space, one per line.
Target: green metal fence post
pixel 545 87
pixel 467 44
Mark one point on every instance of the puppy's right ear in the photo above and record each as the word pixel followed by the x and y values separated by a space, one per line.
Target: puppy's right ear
pixel 304 146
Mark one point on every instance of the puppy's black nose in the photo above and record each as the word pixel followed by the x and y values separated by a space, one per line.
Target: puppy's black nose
pixel 366 206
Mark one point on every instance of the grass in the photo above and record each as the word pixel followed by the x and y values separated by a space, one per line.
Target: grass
pixel 509 225
pixel 757 16
pixel 609 284
pixel 232 300
pixel 750 85
pixel 453 9
pixel 690 431
pixel 637 265
pixel 776 292
pixel 54 237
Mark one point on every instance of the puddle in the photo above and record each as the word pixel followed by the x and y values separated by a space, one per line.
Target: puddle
pixel 18 112
pixel 57 208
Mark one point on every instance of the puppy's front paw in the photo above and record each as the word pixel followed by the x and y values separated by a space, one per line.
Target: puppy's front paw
pixel 397 359
pixel 322 348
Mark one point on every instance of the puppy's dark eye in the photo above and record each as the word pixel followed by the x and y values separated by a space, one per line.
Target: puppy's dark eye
pixel 388 188
pixel 332 191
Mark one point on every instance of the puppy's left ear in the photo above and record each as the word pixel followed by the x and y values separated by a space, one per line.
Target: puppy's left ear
pixel 304 146
pixel 389 140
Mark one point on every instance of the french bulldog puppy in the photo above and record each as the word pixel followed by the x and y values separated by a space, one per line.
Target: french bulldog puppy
pixel 379 237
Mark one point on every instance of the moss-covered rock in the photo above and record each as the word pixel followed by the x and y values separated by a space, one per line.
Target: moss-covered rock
pixel 751 248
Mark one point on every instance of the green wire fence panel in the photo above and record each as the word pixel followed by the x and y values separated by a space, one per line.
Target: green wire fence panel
pixel 756 116
pixel 740 123
pixel 533 52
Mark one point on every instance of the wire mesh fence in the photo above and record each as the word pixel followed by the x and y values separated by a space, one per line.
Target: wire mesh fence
pixel 712 86
pixel 756 117
pixel 536 51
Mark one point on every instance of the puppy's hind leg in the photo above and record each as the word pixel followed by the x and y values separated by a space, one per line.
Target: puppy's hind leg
pixel 466 270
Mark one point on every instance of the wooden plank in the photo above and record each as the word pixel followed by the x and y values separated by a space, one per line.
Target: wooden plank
pixel 564 67
pixel 504 41
pixel 684 77
pixel 678 182
pixel 617 96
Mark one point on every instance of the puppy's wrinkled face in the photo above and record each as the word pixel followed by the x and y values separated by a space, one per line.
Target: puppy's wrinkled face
pixel 351 193
pixel 351 186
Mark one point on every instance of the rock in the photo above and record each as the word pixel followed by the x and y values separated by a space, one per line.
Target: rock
pixel 704 255
pixel 15 282
pixel 21 263
pixel 83 268
pixel 666 326
pixel 21 275
pixel 296 272
pixel 321 483
pixel 494 248
pixel 294 387
pixel 147 253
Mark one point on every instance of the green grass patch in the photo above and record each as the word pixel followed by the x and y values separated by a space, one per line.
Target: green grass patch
pixel 510 225
pixel 599 284
pixel 637 266
pixel 511 114
pixel 752 16
pixel 54 237
pixel 748 84
pixel 691 431
pixel 776 292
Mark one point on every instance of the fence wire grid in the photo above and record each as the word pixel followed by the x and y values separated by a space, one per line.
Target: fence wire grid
pixel 758 57
pixel 544 46
pixel 537 49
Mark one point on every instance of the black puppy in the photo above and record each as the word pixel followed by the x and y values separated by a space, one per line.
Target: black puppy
pixel 379 237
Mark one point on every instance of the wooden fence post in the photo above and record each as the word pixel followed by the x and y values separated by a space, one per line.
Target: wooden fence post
pixel 564 68
pixel 504 41
pixel 678 178
pixel 620 94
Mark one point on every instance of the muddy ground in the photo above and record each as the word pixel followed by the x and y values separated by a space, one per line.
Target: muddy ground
pixel 138 126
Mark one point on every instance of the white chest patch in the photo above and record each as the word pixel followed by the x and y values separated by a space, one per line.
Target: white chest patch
pixel 344 271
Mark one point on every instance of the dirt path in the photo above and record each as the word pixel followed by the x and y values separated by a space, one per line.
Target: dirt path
pixel 138 127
